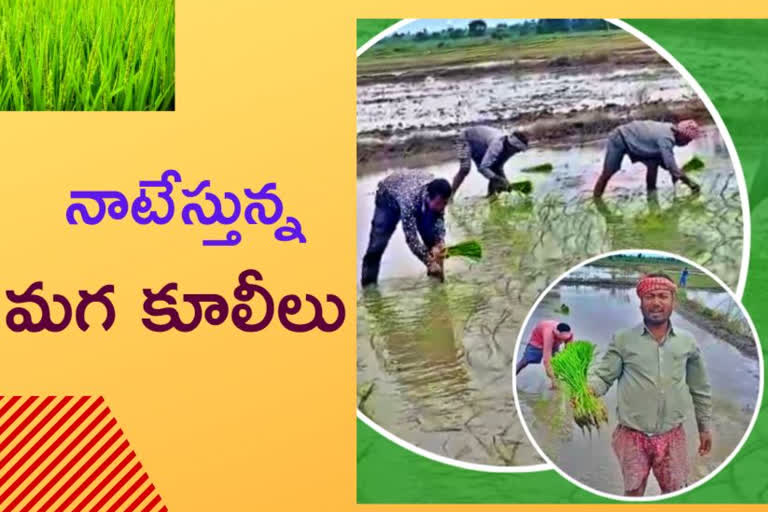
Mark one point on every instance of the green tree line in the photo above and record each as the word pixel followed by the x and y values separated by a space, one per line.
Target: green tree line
pixel 480 28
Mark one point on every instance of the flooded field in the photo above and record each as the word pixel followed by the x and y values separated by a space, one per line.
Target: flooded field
pixel 434 104
pixel 590 459
pixel 435 362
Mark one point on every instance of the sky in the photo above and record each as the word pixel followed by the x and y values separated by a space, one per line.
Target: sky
pixel 437 25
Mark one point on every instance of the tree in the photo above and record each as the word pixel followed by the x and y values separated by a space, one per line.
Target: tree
pixel 580 25
pixel 477 28
pixel 548 26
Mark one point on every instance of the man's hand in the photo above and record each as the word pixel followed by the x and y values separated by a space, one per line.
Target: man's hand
pixel 695 188
pixel 553 385
pixel 437 252
pixel 435 259
pixel 705 442
pixel 435 270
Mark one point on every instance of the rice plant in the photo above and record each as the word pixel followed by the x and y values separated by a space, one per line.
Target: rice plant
pixel 470 249
pixel 524 187
pixel 539 168
pixel 87 55
pixel 694 164
pixel 570 367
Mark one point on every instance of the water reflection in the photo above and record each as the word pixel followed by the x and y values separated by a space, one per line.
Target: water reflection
pixel 430 387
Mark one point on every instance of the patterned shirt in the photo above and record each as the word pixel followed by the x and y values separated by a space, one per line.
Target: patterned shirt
pixel 406 191
pixel 490 148
pixel 656 380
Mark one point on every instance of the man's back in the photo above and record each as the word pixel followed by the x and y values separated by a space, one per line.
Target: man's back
pixel 647 139
pixel 480 138
pixel 405 187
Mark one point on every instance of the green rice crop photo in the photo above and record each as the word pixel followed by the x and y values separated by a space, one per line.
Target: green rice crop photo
pixel 87 55
pixel 471 250
pixel 570 367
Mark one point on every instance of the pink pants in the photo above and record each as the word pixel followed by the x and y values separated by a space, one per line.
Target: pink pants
pixel 666 454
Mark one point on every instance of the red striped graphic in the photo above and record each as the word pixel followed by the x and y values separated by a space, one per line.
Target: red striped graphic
pixel 58 453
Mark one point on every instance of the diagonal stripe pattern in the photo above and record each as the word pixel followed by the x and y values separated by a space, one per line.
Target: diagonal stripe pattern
pixel 67 454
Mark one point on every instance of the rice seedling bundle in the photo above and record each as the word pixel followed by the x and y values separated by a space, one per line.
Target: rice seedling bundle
pixel 470 249
pixel 524 187
pixel 694 164
pixel 570 367
pixel 539 168
pixel 87 55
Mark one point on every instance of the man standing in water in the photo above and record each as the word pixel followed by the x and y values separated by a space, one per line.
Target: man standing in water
pixel 684 278
pixel 659 369
pixel 546 338
pixel 652 143
pixel 489 148
pixel 418 200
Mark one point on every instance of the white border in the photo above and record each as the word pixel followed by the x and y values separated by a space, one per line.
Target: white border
pixel 746 240
pixel 728 459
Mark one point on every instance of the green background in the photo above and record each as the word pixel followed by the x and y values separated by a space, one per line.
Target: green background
pixel 719 54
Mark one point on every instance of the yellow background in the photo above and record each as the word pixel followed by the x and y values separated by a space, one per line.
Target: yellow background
pixel 221 420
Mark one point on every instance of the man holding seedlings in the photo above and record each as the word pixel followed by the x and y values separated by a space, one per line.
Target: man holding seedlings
pixel 489 148
pixel 658 369
pixel 418 200
pixel 546 339
pixel 652 143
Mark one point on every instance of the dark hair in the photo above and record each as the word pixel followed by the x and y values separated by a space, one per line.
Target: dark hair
pixel 522 136
pixel 439 187
pixel 662 275
pixel 563 327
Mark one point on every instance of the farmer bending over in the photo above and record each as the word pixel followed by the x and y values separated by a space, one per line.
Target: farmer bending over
pixel 418 200
pixel 489 148
pixel 652 143
pixel 546 338
pixel 658 369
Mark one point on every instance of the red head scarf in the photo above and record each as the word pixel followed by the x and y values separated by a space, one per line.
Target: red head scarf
pixel 652 284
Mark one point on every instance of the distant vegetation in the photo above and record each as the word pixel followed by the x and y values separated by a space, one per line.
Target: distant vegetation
pixel 479 28
pixel 479 42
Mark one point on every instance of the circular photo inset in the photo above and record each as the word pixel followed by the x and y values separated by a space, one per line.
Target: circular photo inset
pixel 638 375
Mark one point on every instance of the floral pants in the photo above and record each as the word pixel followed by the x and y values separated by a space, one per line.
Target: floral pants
pixel 666 454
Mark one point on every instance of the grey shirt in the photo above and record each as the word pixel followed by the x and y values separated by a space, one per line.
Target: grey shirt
pixel 651 142
pixel 406 191
pixel 490 148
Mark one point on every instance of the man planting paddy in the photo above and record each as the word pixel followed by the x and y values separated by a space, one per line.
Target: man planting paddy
pixel 652 143
pixel 547 337
pixel 657 368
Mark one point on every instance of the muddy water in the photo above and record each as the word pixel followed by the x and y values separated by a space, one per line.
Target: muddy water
pixel 590 460
pixel 435 362
pixel 434 103
pixel 720 301
pixel 561 223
